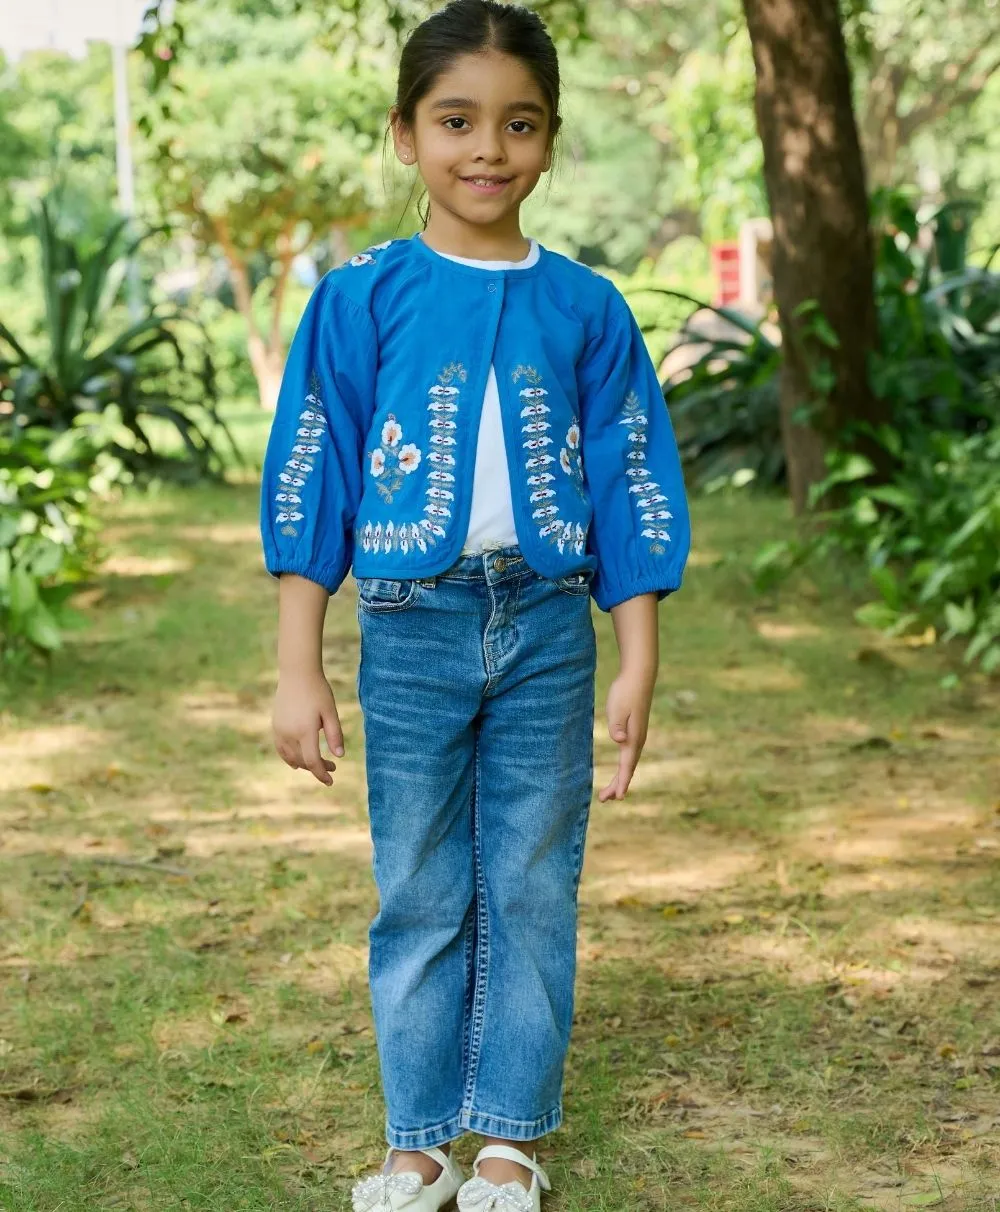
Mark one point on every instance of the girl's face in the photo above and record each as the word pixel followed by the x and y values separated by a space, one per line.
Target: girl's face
pixel 481 138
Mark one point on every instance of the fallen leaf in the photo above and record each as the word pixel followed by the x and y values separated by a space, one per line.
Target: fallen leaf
pixel 630 902
pixel 587 1168
pixel 693 1134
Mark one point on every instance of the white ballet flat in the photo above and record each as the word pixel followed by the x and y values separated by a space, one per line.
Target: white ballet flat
pixel 386 1192
pixel 479 1195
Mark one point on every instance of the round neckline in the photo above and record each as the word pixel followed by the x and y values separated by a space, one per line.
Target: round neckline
pixel 459 267
pixel 480 263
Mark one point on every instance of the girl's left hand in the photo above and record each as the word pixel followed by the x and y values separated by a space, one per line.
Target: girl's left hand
pixel 629 701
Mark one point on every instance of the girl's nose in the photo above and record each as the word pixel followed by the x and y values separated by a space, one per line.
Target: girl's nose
pixel 491 149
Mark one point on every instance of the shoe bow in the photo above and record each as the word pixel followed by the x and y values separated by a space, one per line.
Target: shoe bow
pixel 478 1195
pixel 373 1193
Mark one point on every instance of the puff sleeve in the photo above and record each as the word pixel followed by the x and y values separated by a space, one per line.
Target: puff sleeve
pixel 312 474
pixel 640 534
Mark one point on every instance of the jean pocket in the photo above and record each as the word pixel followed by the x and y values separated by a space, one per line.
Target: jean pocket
pixel 577 584
pixel 382 595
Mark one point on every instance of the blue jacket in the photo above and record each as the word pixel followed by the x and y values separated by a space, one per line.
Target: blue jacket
pixel 373 446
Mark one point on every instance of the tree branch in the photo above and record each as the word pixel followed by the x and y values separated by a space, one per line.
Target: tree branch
pixel 952 94
pixel 238 272
pixel 286 255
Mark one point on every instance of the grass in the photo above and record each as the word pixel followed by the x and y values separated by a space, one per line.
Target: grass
pixel 789 953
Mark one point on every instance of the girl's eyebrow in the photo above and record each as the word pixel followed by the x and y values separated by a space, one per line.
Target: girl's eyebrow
pixel 531 107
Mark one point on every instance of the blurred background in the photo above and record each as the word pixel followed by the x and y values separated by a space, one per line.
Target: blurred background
pixel 788 958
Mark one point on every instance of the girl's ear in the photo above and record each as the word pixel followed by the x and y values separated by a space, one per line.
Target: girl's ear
pixel 550 150
pixel 402 138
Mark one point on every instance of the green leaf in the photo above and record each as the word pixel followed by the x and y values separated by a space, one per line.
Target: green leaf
pixel 888 586
pixel 960 619
pixel 42 630
pixel 878 615
pixel 991 659
pixel 865 513
pixel 974 523
pixel 22 590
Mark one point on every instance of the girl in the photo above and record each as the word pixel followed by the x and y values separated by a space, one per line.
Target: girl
pixel 473 425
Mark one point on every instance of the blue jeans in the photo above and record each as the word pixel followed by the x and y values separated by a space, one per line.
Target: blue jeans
pixel 477 693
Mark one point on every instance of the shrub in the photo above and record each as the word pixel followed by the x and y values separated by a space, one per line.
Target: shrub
pixel 91 359
pixel 46 548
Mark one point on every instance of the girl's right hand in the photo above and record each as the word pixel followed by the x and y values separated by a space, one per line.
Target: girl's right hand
pixel 304 707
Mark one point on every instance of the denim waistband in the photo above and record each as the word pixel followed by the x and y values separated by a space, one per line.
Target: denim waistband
pixel 483 565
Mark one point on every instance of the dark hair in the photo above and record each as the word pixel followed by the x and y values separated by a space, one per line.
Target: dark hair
pixel 469 27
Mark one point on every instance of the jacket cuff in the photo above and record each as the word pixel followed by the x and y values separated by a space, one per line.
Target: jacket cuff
pixel 330 576
pixel 610 594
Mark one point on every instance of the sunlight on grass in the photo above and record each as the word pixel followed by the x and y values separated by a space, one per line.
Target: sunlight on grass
pixel 788 951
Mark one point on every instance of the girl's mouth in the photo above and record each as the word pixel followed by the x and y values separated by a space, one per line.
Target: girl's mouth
pixel 487 185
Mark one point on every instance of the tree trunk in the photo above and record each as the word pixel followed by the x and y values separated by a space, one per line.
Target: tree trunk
pixel 267 357
pixel 822 247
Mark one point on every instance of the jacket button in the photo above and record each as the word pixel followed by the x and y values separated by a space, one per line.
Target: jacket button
pixel 499 563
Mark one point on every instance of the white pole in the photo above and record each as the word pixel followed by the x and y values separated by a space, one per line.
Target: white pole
pixel 123 145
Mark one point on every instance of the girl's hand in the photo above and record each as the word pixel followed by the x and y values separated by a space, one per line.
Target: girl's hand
pixel 629 700
pixel 304 707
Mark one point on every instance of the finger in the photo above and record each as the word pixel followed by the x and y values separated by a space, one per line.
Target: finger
pixel 289 753
pixel 312 760
pixel 618 729
pixel 334 733
pixel 610 791
pixel 628 759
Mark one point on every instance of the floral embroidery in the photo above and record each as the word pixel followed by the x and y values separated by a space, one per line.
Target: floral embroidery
pixel 299 465
pixel 538 461
pixel 644 491
pixel 571 457
pixel 366 258
pixel 391 462
pixel 443 402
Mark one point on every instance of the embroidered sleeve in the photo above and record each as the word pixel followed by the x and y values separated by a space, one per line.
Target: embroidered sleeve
pixel 640 533
pixel 312 474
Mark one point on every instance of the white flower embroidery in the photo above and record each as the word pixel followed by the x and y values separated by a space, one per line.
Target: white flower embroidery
pixel 637 421
pixel 534 412
pixel 409 458
pixel 378 462
pixel 365 257
pixel 299 465
pixel 443 402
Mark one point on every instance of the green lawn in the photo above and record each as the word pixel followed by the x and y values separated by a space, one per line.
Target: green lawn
pixel 789 951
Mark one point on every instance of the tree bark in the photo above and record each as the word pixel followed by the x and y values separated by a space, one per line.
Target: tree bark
pixel 267 358
pixel 822 249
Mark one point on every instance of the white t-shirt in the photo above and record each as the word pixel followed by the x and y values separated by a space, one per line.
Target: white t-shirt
pixel 491 523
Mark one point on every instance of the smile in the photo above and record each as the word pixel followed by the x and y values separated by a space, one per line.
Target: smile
pixel 487 185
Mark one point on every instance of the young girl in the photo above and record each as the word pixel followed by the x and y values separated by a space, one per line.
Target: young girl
pixel 473 423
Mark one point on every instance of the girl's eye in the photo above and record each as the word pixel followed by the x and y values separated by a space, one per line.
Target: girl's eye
pixel 524 125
